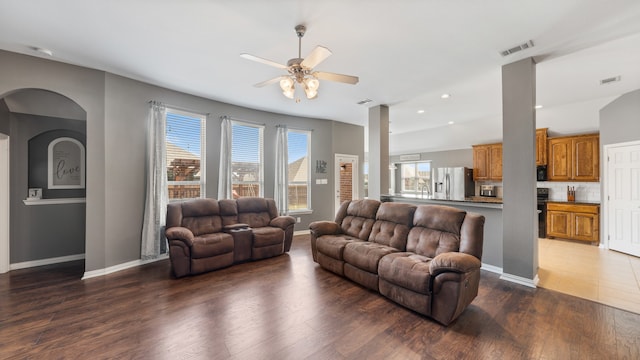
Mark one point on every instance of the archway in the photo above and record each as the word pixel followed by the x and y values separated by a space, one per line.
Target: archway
pixel 50 225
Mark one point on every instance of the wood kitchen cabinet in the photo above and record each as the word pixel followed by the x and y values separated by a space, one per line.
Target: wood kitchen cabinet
pixel 573 221
pixel 487 162
pixel 574 158
pixel 541 146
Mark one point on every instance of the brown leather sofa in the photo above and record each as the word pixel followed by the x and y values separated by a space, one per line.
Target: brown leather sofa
pixel 208 234
pixel 426 257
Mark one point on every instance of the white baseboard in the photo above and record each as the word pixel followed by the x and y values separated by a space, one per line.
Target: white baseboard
pixel 119 267
pixel 49 261
pixel 491 268
pixel 301 232
pixel 520 280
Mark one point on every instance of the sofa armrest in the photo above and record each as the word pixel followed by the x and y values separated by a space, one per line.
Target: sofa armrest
pixel 320 228
pixel 283 222
pixel 180 233
pixel 454 262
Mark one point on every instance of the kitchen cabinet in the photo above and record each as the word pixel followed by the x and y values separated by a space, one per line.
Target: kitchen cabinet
pixel 573 221
pixel 574 158
pixel 541 146
pixel 487 162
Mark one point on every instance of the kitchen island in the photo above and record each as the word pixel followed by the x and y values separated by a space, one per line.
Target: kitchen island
pixel 491 208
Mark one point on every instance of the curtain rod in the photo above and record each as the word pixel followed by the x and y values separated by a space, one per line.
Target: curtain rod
pixel 242 120
pixel 179 108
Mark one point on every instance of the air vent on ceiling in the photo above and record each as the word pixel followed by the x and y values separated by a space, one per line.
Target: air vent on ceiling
pixel 610 80
pixel 362 102
pixel 515 49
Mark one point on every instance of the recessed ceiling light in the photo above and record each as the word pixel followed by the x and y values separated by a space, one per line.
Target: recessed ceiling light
pixel 538 107
pixel 451 123
pixel 42 51
pixel 364 101
pixel 445 96
pixel 420 111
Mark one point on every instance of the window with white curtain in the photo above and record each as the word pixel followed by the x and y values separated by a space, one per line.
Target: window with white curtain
pixel 299 184
pixel 247 160
pixel 185 142
pixel 416 177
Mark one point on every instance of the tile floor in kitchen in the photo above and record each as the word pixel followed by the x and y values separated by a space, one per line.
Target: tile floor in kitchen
pixel 590 272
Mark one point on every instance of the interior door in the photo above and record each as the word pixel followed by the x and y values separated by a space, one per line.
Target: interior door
pixel 622 197
pixel 346 178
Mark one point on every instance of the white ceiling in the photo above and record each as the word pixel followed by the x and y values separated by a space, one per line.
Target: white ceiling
pixel 406 53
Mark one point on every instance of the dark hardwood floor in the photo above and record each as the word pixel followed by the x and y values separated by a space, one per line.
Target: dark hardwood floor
pixel 288 308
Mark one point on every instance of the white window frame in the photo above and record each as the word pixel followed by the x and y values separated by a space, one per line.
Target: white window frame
pixel 260 155
pixel 415 177
pixel 203 152
pixel 308 209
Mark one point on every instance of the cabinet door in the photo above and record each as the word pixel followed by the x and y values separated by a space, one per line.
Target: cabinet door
pixel 586 164
pixel 541 146
pixel 559 224
pixel 585 227
pixel 495 162
pixel 560 151
pixel 480 163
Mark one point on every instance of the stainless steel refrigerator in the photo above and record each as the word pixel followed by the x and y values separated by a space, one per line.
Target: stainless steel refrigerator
pixel 453 183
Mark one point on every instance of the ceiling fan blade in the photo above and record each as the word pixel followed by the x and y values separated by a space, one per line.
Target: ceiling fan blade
pixel 270 81
pixel 347 79
pixel 317 55
pixel 264 61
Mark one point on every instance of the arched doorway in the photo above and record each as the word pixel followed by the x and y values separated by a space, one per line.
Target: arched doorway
pixel 46 225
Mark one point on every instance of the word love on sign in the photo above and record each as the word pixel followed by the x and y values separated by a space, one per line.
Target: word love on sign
pixel 66 164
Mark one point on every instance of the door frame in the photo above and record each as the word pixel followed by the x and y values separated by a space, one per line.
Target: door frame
pixel 604 238
pixel 355 177
pixel 4 203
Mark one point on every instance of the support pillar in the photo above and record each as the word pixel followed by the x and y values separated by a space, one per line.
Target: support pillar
pixel 378 151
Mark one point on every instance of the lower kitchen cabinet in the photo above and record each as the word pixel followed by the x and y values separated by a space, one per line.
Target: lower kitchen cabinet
pixel 573 221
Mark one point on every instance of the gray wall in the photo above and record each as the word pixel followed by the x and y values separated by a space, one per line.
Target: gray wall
pixel 116 109
pixel 43 231
pixel 620 120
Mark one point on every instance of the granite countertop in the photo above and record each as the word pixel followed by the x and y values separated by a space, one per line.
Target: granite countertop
pixel 577 202
pixel 484 199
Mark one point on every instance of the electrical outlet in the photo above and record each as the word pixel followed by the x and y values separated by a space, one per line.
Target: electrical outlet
pixel 298 219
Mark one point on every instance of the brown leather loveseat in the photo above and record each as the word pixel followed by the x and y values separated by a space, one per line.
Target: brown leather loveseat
pixel 426 257
pixel 208 234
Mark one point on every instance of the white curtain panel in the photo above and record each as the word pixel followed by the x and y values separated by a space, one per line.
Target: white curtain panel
pixel 225 187
pixel 281 191
pixel 155 208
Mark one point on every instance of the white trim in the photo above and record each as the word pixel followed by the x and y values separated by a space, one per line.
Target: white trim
pixel 355 177
pixel 301 232
pixel 54 201
pixel 123 266
pixel 4 203
pixel 49 261
pixel 533 283
pixel 491 268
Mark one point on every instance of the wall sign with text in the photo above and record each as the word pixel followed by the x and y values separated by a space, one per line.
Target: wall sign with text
pixel 66 169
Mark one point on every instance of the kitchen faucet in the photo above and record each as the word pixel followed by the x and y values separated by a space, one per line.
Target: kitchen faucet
pixel 422 188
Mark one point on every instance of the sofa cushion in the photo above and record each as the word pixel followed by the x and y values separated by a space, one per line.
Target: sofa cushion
pixel 333 245
pixel 408 270
pixel 211 245
pixel 436 230
pixel 257 212
pixel 359 218
pixel 266 236
pixel 365 255
pixel 201 216
pixel 391 228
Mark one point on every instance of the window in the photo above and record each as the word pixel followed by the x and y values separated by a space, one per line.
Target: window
pixel 185 154
pixel 299 145
pixel 247 159
pixel 416 177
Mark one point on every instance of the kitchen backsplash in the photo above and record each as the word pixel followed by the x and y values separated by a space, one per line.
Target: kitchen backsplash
pixel 585 191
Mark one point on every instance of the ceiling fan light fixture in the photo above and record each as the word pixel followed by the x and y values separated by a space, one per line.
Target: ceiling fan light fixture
pixel 311 86
pixel 287 86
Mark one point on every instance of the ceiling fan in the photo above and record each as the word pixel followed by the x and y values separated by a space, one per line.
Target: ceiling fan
pixel 301 70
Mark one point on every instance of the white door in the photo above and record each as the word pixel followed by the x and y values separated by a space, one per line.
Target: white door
pixel 622 197
pixel 346 178
pixel 4 203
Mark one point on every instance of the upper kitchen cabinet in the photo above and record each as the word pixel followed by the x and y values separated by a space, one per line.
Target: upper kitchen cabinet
pixel 574 158
pixel 541 146
pixel 487 162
